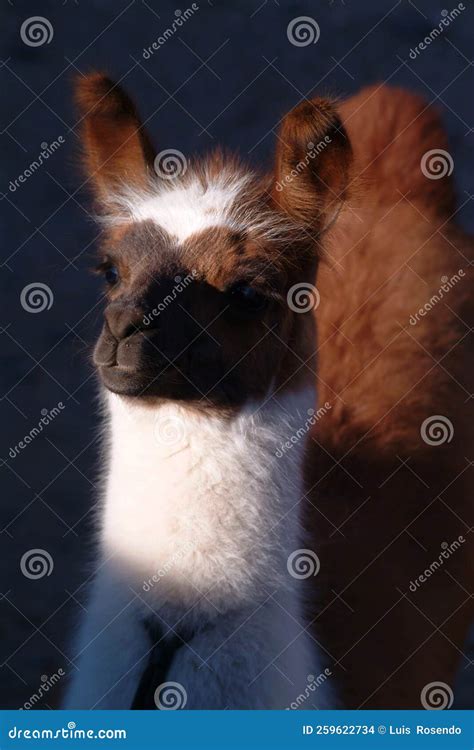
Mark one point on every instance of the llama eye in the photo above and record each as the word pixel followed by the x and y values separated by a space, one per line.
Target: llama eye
pixel 111 275
pixel 108 271
pixel 246 299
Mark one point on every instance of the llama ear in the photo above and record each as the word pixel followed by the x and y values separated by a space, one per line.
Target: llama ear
pixel 117 151
pixel 313 160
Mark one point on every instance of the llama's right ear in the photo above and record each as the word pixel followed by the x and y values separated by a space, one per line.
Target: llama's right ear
pixel 117 151
pixel 312 165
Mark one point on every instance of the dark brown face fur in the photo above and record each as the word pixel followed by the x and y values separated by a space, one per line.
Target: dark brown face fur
pixel 206 319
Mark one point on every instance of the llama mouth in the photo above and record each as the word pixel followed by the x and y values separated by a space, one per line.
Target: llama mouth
pixel 123 380
pixel 168 384
pixel 130 381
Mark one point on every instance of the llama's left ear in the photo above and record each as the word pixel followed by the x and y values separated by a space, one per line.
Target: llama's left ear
pixel 117 151
pixel 312 166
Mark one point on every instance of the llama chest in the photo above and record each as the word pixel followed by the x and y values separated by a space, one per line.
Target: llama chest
pixel 196 511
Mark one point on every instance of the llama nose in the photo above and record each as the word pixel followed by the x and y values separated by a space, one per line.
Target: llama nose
pixel 124 319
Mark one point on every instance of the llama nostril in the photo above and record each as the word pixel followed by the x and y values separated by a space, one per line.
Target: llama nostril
pixel 105 352
pixel 124 320
pixel 128 330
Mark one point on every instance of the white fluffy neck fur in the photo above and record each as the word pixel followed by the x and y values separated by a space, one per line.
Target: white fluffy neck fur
pixel 204 499
pixel 200 519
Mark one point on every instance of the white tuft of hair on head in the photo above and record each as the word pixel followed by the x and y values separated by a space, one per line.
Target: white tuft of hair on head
pixel 201 199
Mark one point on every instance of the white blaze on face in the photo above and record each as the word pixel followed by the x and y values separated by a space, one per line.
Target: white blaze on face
pixel 195 203
pixel 185 207
pixel 187 210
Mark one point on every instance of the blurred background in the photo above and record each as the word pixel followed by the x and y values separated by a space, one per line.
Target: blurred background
pixel 226 74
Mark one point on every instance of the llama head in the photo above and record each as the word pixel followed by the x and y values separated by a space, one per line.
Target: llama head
pixel 209 269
